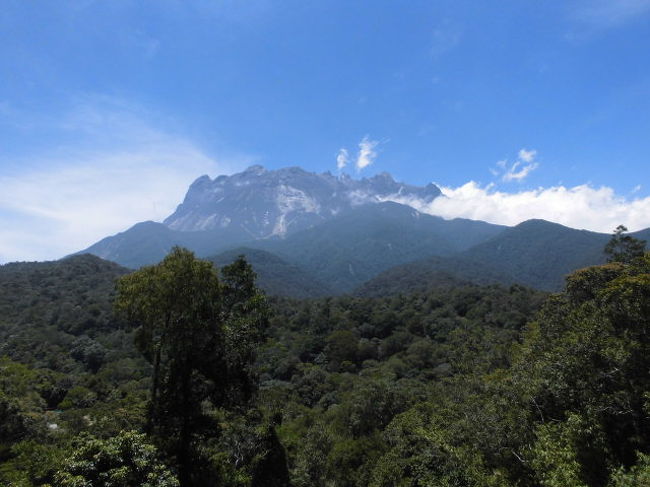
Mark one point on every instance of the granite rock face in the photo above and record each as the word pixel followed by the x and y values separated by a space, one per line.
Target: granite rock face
pixel 264 203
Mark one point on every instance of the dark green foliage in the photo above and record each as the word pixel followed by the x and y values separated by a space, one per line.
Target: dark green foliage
pixel 96 380
pixel 52 313
pixel 459 385
pixel 624 248
pixel 270 468
pixel 585 367
pixel 350 367
pixel 71 294
pixel 199 334
pixel 125 460
pixel 276 276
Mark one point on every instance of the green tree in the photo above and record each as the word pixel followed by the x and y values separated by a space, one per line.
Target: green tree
pixel 638 475
pixel 583 370
pixel 624 248
pixel 200 334
pixel 124 460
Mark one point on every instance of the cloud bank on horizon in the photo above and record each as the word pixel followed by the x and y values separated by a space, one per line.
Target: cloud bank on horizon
pixel 586 207
pixel 582 206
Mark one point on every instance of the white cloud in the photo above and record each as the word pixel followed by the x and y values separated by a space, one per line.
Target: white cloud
pixel 63 208
pixel 519 170
pixel 367 153
pixel 583 207
pixel 58 203
pixel 342 159
pixel 527 155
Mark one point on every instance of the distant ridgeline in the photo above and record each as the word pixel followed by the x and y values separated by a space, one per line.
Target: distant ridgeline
pixel 318 234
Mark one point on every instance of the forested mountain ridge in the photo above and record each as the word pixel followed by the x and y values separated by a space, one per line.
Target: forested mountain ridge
pixel 52 313
pixel 535 253
pixel 386 248
pixel 341 252
pixel 366 240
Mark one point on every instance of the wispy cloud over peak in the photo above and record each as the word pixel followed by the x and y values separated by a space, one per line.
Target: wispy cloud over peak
pixel 518 170
pixel 342 158
pixel 367 153
pixel 365 157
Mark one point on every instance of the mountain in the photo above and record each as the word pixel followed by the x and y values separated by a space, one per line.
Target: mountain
pixel 364 241
pixel 230 211
pixel 535 253
pixel 539 253
pixel 643 235
pixel 331 234
pixel 332 257
pixel 274 275
pixel 265 203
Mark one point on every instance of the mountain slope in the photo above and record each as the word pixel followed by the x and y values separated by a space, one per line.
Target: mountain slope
pixel 540 254
pixel 53 303
pixel 431 273
pixel 274 275
pixel 535 253
pixel 343 232
pixel 361 243
pixel 149 242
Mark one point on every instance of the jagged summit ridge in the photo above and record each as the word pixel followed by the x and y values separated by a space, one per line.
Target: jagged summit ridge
pixel 265 203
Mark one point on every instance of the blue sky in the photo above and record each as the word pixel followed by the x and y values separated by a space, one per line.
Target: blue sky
pixel 519 109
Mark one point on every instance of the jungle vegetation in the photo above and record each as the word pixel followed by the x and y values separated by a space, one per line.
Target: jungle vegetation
pixel 182 374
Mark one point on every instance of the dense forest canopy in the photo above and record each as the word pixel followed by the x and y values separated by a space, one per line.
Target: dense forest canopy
pixel 188 375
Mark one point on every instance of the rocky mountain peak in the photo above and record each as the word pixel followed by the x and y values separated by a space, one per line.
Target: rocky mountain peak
pixel 266 203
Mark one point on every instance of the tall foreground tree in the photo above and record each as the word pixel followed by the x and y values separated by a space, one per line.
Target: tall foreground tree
pixel 200 335
pixel 624 248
